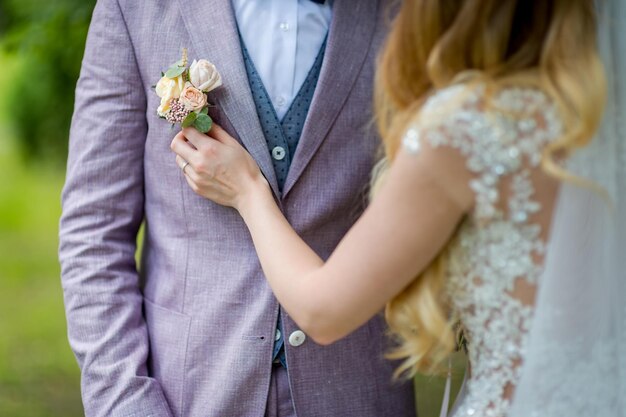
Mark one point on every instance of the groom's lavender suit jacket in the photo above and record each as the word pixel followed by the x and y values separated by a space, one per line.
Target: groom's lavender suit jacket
pixel 191 334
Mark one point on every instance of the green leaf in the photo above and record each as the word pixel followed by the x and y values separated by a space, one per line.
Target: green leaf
pixel 204 110
pixel 203 123
pixel 174 71
pixel 189 120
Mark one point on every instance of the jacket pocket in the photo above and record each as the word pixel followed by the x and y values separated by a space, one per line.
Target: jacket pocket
pixel 168 332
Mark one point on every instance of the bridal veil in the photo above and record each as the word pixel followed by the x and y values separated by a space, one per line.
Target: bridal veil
pixel 575 363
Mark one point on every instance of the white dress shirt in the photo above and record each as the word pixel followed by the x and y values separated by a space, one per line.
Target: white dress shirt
pixel 283 38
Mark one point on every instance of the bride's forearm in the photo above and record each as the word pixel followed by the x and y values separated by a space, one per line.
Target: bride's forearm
pixel 275 240
pixel 288 262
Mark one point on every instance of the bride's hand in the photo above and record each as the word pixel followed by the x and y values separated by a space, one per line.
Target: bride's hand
pixel 217 167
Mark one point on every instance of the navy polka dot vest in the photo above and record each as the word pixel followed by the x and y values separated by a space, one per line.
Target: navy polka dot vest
pixel 282 136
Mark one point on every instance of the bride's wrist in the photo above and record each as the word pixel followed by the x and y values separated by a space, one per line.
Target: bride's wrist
pixel 257 191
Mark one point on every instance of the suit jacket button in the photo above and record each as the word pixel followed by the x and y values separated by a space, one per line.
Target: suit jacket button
pixel 297 338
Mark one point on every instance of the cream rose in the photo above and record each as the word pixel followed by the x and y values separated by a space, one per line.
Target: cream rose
pixel 170 87
pixel 164 108
pixel 204 76
pixel 192 98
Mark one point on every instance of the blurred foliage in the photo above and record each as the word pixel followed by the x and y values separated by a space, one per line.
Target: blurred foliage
pixel 45 40
pixel 39 376
pixel 41 46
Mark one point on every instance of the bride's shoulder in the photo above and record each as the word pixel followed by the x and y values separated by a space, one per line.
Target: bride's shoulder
pixel 494 129
pixel 482 100
pixel 493 116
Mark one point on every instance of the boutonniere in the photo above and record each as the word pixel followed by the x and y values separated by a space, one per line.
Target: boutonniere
pixel 183 91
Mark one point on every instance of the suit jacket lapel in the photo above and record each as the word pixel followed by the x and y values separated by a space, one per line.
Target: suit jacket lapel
pixel 349 38
pixel 212 28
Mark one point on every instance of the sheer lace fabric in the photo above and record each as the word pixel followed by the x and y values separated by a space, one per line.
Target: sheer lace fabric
pixel 497 255
pixel 575 364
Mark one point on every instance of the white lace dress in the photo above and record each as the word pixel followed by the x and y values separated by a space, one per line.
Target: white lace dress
pixel 497 253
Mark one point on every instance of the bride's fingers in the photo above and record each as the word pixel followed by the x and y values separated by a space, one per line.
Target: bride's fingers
pixel 199 184
pixel 202 142
pixel 184 165
pixel 196 138
pixel 212 192
pixel 188 169
pixel 182 148
pixel 192 184
pixel 221 135
pixel 181 162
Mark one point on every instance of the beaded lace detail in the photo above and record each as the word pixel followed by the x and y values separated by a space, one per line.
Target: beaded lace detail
pixel 498 246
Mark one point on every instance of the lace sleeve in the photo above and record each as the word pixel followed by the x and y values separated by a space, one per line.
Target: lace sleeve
pixel 497 254
pixel 498 138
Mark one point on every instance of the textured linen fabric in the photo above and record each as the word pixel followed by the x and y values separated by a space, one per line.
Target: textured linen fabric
pixel 279 403
pixel 192 333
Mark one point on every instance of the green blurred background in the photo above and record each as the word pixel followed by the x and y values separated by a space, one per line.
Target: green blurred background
pixel 41 46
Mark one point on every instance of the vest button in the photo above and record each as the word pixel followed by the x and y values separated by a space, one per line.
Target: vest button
pixel 278 153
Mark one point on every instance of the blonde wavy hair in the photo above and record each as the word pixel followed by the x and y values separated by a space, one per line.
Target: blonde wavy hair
pixel 550 44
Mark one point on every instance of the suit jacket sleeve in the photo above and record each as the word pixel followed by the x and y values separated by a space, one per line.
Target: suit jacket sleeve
pixel 102 211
